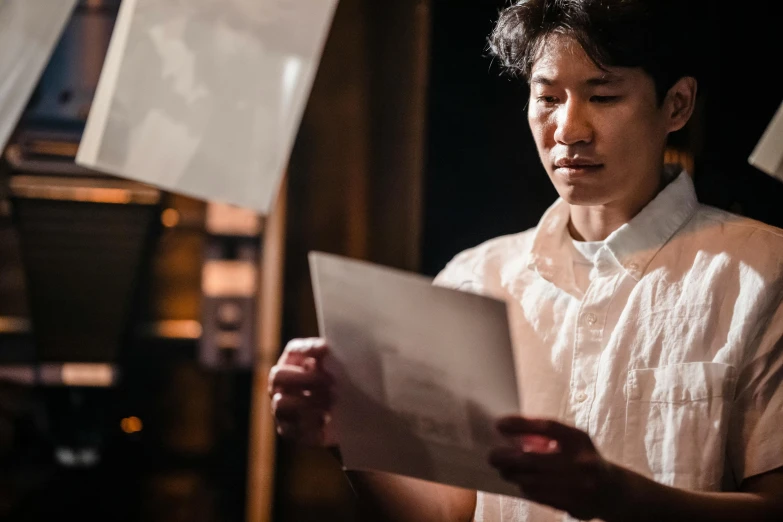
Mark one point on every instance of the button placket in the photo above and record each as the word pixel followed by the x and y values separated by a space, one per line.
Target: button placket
pixel 586 347
pixel 588 344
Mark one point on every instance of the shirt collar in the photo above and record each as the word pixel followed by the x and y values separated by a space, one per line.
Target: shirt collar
pixel 632 246
pixel 547 254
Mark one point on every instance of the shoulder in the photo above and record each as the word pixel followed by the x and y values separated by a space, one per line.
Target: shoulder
pixel 737 230
pixel 737 223
pixel 737 239
pixel 474 269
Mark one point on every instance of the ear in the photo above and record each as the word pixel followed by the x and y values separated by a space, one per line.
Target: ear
pixel 679 103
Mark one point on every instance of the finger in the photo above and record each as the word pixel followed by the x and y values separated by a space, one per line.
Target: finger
pixel 292 408
pixel 287 429
pixel 549 489
pixel 567 437
pixel 314 420
pixel 315 396
pixel 289 377
pixel 537 444
pixel 536 483
pixel 549 494
pixel 299 351
pixel 519 461
pixel 309 428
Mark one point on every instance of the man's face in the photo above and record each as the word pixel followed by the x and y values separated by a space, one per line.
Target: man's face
pixel 600 133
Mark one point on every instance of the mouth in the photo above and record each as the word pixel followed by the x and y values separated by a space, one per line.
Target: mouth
pixel 576 167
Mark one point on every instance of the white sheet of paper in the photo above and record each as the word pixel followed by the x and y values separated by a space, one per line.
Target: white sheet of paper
pixel 29 33
pixel 205 97
pixel 768 153
pixel 422 372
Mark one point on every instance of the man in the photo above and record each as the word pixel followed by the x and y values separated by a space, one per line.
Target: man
pixel 647 327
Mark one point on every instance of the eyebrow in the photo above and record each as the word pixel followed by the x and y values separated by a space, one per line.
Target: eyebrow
pixel 605 79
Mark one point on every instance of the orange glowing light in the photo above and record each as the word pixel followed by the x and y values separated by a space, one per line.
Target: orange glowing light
pixel 131 425
pixel 169 218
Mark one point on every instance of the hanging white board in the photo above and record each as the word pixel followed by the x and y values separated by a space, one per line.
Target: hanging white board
pixel 205 97
pixel 29 32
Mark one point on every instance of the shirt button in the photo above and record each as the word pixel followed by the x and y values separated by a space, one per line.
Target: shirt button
pixel 581 397
pixel 590 319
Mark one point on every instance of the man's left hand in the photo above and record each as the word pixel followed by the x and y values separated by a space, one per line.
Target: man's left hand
pixel 555 465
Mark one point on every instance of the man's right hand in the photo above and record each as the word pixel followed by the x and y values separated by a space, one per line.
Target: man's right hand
pixel 301 393
pixel 302 397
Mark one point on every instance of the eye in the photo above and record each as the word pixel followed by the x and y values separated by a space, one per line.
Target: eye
pixel 604 99
pixel 547 100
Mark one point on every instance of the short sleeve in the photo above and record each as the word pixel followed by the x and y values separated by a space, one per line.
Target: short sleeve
pixel 460 274
pixel 755 443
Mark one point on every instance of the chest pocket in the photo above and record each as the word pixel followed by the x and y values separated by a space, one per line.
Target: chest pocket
pixel 677 422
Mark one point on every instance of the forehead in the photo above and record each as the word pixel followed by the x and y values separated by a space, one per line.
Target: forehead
pixel 562 58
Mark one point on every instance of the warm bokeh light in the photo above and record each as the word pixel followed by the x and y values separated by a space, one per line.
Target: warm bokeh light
pixel 85 374
pixel 679 157
pixel 131 425
pixel 169 218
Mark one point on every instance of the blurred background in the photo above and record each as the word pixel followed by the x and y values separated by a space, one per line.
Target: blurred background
pixel 137 326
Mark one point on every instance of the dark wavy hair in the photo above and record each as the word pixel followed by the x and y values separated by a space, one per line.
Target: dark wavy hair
pixel 657 35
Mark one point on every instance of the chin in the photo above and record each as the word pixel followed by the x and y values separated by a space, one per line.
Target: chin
pixel 582 196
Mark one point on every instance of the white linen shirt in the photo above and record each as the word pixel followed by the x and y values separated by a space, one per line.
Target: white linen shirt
pixel 670 359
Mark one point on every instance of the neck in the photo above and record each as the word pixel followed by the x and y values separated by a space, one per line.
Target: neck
pixel 595 223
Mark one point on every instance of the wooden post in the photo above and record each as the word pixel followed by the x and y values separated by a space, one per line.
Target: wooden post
pixel 261 453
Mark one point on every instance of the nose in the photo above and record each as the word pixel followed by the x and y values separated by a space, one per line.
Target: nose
pixel 573 124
